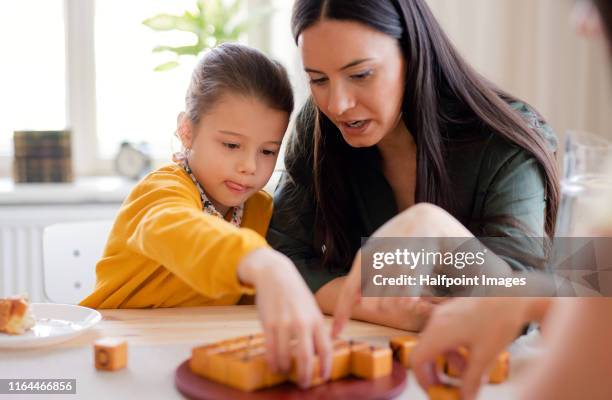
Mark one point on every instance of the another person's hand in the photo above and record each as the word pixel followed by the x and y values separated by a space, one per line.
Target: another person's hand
pixel 289 314
pixel 419 221
pixel 484 326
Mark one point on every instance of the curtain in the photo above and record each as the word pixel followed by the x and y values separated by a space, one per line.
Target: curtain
pixel 530 49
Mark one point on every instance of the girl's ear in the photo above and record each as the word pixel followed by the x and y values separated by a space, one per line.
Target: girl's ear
pixel 184 130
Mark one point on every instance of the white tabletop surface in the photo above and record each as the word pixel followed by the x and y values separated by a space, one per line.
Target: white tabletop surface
pixel 160 340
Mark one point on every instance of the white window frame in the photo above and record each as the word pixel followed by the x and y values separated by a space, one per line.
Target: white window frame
pixel 79 22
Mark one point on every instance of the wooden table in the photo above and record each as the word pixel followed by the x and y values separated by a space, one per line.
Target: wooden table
pixel 160 339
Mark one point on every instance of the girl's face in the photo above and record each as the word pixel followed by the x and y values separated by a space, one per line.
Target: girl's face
pixel 357 78
pixel 233 149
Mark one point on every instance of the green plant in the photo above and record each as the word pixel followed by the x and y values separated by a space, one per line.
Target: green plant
pixel 213 22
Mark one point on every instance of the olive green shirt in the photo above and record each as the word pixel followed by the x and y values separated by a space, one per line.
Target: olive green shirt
pixel 491 178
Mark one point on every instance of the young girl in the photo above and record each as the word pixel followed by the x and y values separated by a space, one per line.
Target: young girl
pixel 192 233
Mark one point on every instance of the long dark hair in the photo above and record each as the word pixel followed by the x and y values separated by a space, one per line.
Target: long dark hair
pixel 605 13
pixel 442 94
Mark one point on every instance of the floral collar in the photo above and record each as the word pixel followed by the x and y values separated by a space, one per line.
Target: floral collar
pixel 207 205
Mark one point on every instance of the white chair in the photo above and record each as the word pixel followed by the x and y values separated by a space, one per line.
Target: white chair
pixel 70 253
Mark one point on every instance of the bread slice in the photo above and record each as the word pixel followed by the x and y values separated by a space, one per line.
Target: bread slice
pixel 15 316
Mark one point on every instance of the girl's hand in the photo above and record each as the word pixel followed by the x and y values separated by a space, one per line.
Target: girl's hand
pixel 485 326
pixel 291 319
pixel 420 221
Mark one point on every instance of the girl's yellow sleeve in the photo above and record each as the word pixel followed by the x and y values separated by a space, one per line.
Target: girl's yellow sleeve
pixel 167 225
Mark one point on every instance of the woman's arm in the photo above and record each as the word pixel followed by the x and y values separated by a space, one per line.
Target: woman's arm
pixel 419 221
pixel 406 314
pixel 512 215
pixel 511 197
pixel 291 233
pixel 577 363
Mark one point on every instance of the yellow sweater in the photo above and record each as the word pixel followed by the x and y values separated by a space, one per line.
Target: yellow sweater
pixel 164 251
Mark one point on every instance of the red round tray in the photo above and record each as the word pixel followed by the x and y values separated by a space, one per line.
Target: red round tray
pixel 198 388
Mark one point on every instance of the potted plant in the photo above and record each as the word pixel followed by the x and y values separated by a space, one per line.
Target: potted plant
pixel 212 22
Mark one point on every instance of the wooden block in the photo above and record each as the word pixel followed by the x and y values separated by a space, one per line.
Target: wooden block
pixel 199 358
pixel 315 377
pixel 246 371
pixel 110 354
pixel 242 342
pixel 341 361
pixel 501 368
pixel 209 360
pixel 270 378
pixel 452 369
pixel 371 362
pixel 355 346
pixel 340 364
pixel 498 373
pixel 443 392
pixel 402 347
pixel 397 340
pixel 216 364
pixel 250 340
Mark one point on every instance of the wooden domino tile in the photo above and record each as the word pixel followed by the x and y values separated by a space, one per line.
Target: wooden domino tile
pixel 199 358
pixel 501 368
pixel 340 364
pixel 341 360
pixel 498 373
pixel 371 362
pixel 315 378
pixel 246 370
pixel 241 363
pixel 269 378
pixel 212 360
pixel 402 346
pixel 452 369
pixel 443 392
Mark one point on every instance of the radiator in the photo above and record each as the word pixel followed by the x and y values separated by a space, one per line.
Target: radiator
pixel 21 229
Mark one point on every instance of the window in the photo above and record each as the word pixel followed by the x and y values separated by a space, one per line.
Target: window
pixel 134 102
pixel 283 47
pixel 33 81
pixel 88 65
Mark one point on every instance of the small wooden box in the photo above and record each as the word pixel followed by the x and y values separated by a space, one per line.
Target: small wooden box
pixel 110 354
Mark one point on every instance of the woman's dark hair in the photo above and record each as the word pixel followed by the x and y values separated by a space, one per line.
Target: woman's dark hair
pixel 605 13
pixel 241 70
pixel 443 93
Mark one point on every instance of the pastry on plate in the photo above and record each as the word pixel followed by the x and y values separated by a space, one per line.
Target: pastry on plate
pixel 15 316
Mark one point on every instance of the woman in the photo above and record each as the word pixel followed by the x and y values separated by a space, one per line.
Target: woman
pixel 396 117
pixel 577 363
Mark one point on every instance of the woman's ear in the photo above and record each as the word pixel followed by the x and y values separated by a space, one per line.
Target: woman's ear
pixel 586 19
pixel 184 130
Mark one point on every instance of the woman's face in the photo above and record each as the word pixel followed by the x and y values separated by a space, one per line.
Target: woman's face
pixel 357 78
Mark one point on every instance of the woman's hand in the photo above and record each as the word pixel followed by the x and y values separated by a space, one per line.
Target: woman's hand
pixel 484 326
pixel 291 319
pixel 420 221
pixel 409 314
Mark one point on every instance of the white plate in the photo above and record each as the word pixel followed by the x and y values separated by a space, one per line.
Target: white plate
pixel 55 323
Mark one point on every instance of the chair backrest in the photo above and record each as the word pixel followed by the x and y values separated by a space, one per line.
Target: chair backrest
pixel 70 253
